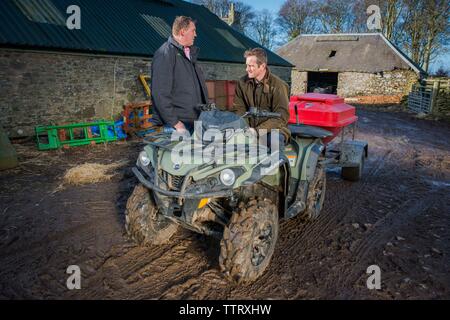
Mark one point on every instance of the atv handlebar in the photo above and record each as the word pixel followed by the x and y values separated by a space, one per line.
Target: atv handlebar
pixel 254 112
pixel 206 107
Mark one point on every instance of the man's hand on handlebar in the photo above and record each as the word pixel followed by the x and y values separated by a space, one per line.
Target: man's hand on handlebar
pixel 179 126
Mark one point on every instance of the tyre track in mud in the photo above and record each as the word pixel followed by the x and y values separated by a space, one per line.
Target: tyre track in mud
pixel 209 284
pixel 155 271
pixel 404 175
pixel 335 208
pixel 383 229
pixel 25 249
pixel 366 250
pixel 340 203
pixel 402 207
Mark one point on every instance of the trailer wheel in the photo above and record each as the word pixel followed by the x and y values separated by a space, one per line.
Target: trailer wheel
pixel 249 241
pixel 353 173
pixel 143 222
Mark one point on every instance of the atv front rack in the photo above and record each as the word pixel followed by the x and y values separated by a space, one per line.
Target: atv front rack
pixel 180 194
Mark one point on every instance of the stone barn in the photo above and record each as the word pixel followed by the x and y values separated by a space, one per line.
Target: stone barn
pixel 52 73
pixel 365 67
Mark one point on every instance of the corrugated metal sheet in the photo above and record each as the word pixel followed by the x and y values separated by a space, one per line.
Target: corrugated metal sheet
pixel 130 27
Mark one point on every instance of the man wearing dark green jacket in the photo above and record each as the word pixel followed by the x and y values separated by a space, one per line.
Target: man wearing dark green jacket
pixel 264 90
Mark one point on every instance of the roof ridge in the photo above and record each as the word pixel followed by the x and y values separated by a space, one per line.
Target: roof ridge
pixel 403 55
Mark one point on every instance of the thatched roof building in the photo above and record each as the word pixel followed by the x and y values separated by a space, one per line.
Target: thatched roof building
pixel 365 52
pixel 350 65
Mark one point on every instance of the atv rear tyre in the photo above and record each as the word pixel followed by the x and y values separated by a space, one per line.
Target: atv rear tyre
pixel 249 241
pixel 316 194
pixel 143 222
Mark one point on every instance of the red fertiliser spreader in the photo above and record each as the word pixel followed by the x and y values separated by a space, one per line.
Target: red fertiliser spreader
pixel 327 111
pixel 325 116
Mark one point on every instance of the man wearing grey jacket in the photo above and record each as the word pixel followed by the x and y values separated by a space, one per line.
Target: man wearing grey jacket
pixel 177 82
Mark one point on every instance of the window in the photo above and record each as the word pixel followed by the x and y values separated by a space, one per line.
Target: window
pixel 332 53
pixel 43 11
pixel 230 38
pixel 158 24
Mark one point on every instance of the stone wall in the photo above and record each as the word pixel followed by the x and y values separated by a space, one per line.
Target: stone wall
pixel 234 71
pixel 41 88
pixel 353 84
pixel 391 83
pixel 299 82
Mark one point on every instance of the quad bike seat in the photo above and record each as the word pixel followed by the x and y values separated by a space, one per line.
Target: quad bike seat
pixel 305 131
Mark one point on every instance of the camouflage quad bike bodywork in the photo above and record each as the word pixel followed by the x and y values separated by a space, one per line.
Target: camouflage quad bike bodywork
pixel 243 212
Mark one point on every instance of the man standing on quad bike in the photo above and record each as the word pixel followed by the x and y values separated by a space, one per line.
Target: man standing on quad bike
pixel 265 91
pixel 177 82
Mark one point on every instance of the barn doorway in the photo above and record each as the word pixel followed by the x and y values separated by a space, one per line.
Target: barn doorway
pixel 323 82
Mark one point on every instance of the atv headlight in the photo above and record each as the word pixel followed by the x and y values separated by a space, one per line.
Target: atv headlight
pixel 227 177
pixel 144 159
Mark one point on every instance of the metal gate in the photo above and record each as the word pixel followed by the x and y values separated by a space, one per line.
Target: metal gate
pixel 430 96
pixel 419 100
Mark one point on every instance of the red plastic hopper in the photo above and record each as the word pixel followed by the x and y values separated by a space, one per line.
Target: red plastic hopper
pixel 327 111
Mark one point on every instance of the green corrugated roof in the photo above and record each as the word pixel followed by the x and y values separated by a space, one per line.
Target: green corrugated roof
pixel 130 27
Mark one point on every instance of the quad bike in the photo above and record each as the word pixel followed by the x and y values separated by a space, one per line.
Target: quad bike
pixel 239 203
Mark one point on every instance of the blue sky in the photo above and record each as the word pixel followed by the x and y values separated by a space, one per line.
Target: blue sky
pixel 275 5
pixel 271 5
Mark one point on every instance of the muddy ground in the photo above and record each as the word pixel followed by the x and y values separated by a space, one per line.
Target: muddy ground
pixel 397 217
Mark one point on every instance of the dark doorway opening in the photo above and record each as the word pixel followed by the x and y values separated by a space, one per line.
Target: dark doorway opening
pixel 323 82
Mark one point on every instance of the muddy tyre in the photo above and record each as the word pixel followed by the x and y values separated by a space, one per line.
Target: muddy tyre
pixel 316 194
pixel 353 173
pixel 249 241
pixel 143 223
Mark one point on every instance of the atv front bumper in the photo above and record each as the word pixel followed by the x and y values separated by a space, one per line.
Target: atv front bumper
pixel 179 194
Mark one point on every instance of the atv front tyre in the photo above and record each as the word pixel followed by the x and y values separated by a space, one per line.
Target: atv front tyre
pixel 143 223
pixel 249 241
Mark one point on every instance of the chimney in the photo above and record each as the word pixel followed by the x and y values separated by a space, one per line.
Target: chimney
pixel 231 14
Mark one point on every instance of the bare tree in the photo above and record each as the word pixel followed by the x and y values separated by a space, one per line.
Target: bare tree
pixel 296 17
pixel 336 16
pixel 442 72
pixel 437 27
pixel 391 13
pixel 218 7
pixel 419 27
pixel 425 29
pixel 264 29
pixel 360 15
pixel 244 16
pixel 393 10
